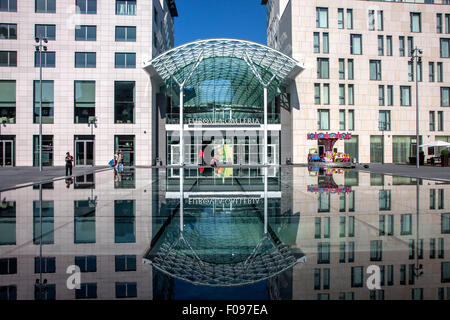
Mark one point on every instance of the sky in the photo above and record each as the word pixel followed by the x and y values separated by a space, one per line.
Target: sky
pixel 203 19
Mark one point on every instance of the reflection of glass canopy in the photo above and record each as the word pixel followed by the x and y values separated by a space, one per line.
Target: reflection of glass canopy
pixel 225 71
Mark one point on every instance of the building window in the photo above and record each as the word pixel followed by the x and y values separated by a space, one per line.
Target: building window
pixel 126 34
pixel 317 228
pixel 445 272
pixel 126 290
pixel 342 94
pixel 410 46
pixel 316 93
pixel 384 200
pixel 389 45
pixel 85 59
pixel 371 20
pixel 401 45
pixel 380 20
pixel 326 93
pixel 124 219
pixel 351 120
pixel 445 223
pixel 47 101
pixel 351 94
pixel 419 72
pixel 350 69
pixel 126 7
pixel 445 96
pixel 440 120
pixel 86 291
pixel 322 17
pixel 48 216
pixel 447 23
pixel 410 71
pixel 323 119
pixel 438 22
pixel 8 58
pixel 349 18
pixel 381 95
pixel 125 60
pixel 47 31
pixel 87 6
pixel 48 59
pixel 86 263
pixel 415 22
pixel 342 227
pixel 381 45
pixel 84 222
pixel 342 124
pixel 8 293
pixel 7 101
pixel 325 42
pixel 375 69
pixel 124 104
pixel 323 252
pixel 8 266
pixel 8 5
pixel 340 18
pixel 445 47
pixel 47 153
pixel 417 294
pixel 324 203
pixel 376 250
pixel 86 33
pixel 45 6
pixel 316 42
pixel 406 224
pixel 441 199
pixel 432 121
pixel 384 120
pixel 405 95
pixel 431 71
pixel 44 265
pixel 390 95
pixel 357 277
pixel 342 69
pixel 125 263
pixel 356 44
pixel 323 68
pixel 8 31
pixel 440 72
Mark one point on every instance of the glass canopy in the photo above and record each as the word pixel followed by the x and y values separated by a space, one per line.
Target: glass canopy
pixel 224 73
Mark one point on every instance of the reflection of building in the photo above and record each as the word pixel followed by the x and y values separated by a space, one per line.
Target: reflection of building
pixel 358 75
pixel 342 234
pixel 99 50
pixel 100 225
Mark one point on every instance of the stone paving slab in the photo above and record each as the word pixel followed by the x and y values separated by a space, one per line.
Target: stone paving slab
pixel 14 177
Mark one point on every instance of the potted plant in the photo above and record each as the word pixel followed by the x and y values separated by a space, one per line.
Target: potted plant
pixel 421 157
pixel 444 157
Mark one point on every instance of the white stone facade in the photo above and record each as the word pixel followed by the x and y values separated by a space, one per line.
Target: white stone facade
pixel 152 38
pixel 291 25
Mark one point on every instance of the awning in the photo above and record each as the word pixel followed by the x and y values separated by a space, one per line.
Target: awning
pixel 435 144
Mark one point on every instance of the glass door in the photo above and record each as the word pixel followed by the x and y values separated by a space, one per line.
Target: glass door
pixel 6 153
pixel 175 159
pixel 84 153
pixel 272 157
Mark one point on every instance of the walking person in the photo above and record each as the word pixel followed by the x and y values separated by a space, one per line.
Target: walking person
pixel 69 160
pixel 116 161
pixel 120 160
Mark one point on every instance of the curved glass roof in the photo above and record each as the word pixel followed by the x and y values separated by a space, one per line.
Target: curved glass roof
pixel 230 71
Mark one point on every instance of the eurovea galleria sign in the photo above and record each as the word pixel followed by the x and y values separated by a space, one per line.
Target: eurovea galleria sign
pixel 229 122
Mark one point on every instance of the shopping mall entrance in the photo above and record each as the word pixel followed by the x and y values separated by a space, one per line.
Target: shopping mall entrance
pixel 225 147
pixel 224 101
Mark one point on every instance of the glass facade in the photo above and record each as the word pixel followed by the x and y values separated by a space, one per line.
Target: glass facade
pixel 84 101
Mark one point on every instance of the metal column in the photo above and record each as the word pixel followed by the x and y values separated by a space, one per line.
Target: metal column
pixel 181 126
pixel 265 127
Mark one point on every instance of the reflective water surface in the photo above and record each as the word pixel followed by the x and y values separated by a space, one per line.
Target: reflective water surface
pixel 248 233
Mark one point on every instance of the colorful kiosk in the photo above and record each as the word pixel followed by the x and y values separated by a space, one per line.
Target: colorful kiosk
pixel 324 155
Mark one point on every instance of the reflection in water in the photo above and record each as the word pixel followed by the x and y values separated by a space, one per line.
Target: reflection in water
pixel 293 233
